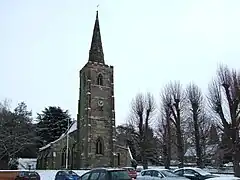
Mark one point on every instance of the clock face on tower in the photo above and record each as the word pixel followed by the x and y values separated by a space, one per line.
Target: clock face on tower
pixel 100 103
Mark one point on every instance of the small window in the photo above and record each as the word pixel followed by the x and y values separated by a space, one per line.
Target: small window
pixel 63 159
pixel 100 80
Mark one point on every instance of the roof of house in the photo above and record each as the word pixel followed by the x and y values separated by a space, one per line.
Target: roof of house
pixel 210 149
pixel 72 128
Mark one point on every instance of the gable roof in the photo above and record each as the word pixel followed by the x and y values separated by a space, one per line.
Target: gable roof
pixel 72 128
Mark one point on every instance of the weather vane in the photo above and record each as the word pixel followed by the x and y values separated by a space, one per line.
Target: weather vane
pixel 97 7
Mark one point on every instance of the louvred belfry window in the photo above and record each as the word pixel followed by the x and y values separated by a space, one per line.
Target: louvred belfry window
pixel 100 80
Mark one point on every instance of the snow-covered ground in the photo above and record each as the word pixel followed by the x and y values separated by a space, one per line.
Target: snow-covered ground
pixel 50 174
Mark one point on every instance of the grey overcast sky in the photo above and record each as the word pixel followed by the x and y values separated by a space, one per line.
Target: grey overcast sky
pixel 44 44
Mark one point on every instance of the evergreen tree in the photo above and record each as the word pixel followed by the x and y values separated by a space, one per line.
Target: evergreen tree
pixel 52 123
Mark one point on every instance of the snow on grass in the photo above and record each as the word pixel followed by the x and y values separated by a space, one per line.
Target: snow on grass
pixel 50 174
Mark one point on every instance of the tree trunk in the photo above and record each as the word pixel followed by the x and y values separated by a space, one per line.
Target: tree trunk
pixel 180 150
pixel 144 157
pixel 197 141
pixel 145 163
pixel 236 153
pixel 168 144
pixel 167 150
pixel 168 157
pixel 236 166
pixel 179 141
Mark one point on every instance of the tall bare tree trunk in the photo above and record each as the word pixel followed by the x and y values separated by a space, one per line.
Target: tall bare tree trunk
pixel 236 152
pixel 169 146
pixel 180 145
pixel 176 106
pixel 197 142
pixel 166 126
pixel 195 99
pixel 236 162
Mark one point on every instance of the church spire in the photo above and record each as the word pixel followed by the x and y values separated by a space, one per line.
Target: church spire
pixel 96 50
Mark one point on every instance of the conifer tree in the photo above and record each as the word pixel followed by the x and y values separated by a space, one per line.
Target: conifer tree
pixel 52 123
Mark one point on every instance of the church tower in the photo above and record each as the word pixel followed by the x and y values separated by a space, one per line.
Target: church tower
pixel 96 115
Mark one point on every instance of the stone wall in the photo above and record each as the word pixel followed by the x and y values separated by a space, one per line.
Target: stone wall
pixel 52 157
pixel 96 121
pixel 122 157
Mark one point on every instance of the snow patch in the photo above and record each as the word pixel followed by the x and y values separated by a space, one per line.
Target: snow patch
pixel 25 163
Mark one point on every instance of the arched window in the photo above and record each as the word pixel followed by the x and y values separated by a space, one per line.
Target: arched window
pixel 118 159
pixel 63 158
pixel 99 146
pixel 100 79
pixel 74 156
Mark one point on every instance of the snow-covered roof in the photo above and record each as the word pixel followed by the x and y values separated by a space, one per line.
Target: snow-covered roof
pixel 72 128
pixel 210 149
pixel 130 153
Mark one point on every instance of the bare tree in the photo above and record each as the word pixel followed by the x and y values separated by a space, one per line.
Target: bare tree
pixel 164 126
pixel 224 98
pixel 208 147
pixel 195 100
pixel 176 107
pixel 205 124
pixel 15 131
pixel 143 108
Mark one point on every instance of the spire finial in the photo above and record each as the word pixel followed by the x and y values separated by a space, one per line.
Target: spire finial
pixel 97 11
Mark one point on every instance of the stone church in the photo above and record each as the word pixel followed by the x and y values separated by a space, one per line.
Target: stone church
pixel 92 138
